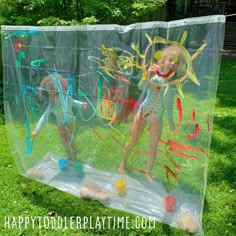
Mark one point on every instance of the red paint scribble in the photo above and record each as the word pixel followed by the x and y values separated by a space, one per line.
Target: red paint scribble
pixel 180 114
pixel 108 92
pixel 175 165
pixel 141 171
pixel 117 91
pixel 96 133
pixel 121 100
pixel 185 147
pixel 164 75
pixel 173 162
pixel 129 106
pixel 208 122
pixel 193 116
pixel 179 149
pixel 121 78
pixel 170 203
pixel 158 88
pixel 116 117
pixel 194 136
pixel 182 154
pixel 18 45
pixel 118 142
pixel 168 170
pixel 161 140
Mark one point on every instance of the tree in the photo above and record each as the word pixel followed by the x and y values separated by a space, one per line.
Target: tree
pixel 70 12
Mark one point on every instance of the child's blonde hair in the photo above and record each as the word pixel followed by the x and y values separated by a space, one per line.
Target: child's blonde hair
pixel 178 56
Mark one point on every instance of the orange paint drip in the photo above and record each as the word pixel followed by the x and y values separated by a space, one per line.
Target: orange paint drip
pixel 161 140
pixel 182 154
pixel 193 116
pixel 123 79
pixel 208 122
pixel 96 133
pixel 146 115
pixel 141 171
pixel 168 170
pixel 118 142
pixel 184 147
pixel 175 165
pixel 173 162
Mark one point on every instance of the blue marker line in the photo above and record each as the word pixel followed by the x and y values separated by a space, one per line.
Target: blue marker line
pixel 71 87
pixel 28 142
pixel 21 32
pixel 37 63
pixel 105 78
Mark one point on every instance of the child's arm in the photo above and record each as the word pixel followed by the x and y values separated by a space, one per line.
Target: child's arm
pixel 168 99
pixel 146 75
pixel 41 121
pixel 143 83
pixel 78 104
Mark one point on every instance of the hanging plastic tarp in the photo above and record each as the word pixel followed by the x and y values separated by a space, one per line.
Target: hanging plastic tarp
pixel 120 114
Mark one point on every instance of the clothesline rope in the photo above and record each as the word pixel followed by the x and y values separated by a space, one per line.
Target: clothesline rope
pixel 230 15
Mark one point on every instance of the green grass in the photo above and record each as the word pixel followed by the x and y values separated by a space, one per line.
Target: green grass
pixel 25 197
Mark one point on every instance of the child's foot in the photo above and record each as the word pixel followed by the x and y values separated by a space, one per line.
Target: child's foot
pixel 122 168
pixel 94 192
pixel 35 173
pixel 149 178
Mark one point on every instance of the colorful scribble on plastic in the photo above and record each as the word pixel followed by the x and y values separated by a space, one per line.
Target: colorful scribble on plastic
pixel 115 66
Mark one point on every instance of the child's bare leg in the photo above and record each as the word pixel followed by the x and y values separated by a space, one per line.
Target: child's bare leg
pixel 136 131
pixel 155 133
pixel 72 141
pixel 62 129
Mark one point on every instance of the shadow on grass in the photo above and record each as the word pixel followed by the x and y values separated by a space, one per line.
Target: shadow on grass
pixel 223 142
pixel 222 165
pixel 227 86
pixel 58 203
pixel 55 200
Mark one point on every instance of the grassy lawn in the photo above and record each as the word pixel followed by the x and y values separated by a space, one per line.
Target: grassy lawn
pixel 25 197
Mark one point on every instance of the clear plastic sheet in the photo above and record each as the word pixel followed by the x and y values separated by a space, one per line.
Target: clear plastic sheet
pixel 120 114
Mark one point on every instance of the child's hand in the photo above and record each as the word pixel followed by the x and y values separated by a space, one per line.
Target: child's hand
pixel 153 69
pixel 34 134
pixel 84 104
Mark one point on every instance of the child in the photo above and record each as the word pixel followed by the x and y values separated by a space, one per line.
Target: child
pixel 171 66
pixel 61 105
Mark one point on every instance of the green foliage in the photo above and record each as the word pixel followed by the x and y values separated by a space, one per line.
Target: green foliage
pixel 71 12
pixel 146 8
pixel 53 21
pixel 1 84
pixel 89 20
pixel 3 20
pixel 1 97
